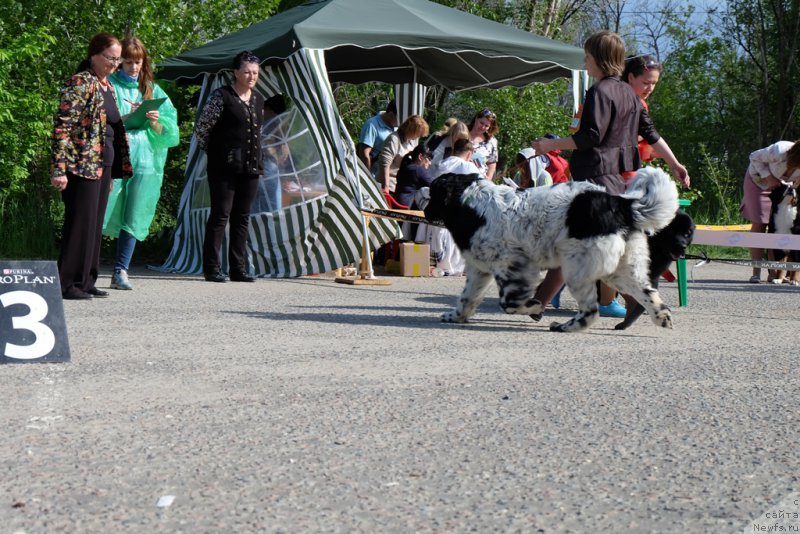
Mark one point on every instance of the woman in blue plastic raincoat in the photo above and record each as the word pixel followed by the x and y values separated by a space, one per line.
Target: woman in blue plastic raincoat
pixel 132 203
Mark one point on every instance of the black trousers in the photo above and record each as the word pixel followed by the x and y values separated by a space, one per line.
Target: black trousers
pixel 231 200
pixel 84 208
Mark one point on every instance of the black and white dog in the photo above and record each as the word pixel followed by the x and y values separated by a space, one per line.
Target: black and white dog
pixel 668 244
pixel 784 219
pixel 592 235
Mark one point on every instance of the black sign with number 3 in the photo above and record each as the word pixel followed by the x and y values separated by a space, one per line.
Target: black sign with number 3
pixel 32 324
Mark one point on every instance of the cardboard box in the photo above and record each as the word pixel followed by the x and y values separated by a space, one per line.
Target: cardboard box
pixel 415 259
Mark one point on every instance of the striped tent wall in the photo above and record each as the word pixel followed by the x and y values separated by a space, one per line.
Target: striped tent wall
pixel 410 100
pixel 315 236
pixel 187 245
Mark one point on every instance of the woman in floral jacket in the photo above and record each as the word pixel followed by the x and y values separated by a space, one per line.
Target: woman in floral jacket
pixel 89 148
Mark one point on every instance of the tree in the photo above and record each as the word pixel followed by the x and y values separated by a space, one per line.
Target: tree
pixel 766 33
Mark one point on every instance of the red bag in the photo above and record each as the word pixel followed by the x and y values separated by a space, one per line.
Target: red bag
pixel 558 167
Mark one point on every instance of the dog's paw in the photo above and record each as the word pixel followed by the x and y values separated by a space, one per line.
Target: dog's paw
pixel 621 326
pixel 582 322
pixel 530 307
pixel 663 319
pixel 537 317
pixel 562 327
pixel 453 317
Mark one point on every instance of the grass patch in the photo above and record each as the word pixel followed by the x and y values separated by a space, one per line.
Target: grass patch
pixel 31 226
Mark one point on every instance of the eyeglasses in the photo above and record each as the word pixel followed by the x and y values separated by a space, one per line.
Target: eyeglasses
pixel 487 113
pixel 115 60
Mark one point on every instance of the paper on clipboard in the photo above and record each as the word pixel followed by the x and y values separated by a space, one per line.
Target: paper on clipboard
pixel 137 119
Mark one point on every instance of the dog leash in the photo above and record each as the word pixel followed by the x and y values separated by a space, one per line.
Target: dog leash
pixel 764 264
pixel 405 217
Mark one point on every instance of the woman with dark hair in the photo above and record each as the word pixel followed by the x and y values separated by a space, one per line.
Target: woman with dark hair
pixel 482 132
pixel 413 175
pixel 89 148
pixel 397 145
pixel 642 74
pixel 132 203
pixel 229 130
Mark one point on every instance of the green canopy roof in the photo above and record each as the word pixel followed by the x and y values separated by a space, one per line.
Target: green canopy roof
pixel 393 41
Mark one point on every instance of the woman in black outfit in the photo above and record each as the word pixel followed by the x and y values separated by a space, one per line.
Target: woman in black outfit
pixel 229 130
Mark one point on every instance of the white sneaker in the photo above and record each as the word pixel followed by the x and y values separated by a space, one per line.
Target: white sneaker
pixel 119 280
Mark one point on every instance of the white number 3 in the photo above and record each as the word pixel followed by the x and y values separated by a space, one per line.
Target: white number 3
pixel 45 339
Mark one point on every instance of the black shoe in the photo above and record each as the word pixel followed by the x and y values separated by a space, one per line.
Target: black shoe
pixel 215 277
pixel 98 293
pixel 241 276
pixel 75 294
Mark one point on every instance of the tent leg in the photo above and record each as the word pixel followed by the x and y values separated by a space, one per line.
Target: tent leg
pixel 366 276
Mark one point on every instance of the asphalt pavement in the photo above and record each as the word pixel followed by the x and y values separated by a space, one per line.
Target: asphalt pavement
pixel 305 405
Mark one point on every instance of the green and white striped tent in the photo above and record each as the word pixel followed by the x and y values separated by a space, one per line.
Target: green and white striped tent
pixel 409 43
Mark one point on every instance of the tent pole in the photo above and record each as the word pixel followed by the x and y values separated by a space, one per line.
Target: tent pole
pixel 366 256
pixel 365 275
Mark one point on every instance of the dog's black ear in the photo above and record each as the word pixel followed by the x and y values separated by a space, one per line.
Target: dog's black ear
pixel 439 188
pixel 446 192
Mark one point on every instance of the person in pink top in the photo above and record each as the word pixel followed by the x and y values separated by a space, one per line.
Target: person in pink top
pixel 770 167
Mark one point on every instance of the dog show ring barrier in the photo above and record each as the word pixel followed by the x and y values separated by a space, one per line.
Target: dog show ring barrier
pixel 731 236
pixel 365 276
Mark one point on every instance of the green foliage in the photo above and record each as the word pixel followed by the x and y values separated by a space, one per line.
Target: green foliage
pixel 522 114
pixel 357 103
pixel 498 11
pixel 719 198
pixel 25 124
pixel 767 36
pixel 31 223
pixel 702 121
pixel 41 44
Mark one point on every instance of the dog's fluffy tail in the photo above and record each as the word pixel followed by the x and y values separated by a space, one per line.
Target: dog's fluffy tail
pixel 655 199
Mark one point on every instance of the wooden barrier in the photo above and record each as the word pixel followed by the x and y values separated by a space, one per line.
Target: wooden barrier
pixel 746 239
pixel 363 277
pixel 726 238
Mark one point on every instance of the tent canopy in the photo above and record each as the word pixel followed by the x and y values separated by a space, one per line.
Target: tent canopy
pixel 392 41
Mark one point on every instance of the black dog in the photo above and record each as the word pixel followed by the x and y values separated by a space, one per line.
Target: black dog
pixel 668 244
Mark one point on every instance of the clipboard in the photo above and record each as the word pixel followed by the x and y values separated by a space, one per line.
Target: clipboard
pixel 137 119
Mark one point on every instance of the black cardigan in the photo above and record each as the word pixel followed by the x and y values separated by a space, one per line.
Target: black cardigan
pixel 234 143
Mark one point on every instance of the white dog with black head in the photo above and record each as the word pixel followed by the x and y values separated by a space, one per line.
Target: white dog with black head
pixel 512 237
